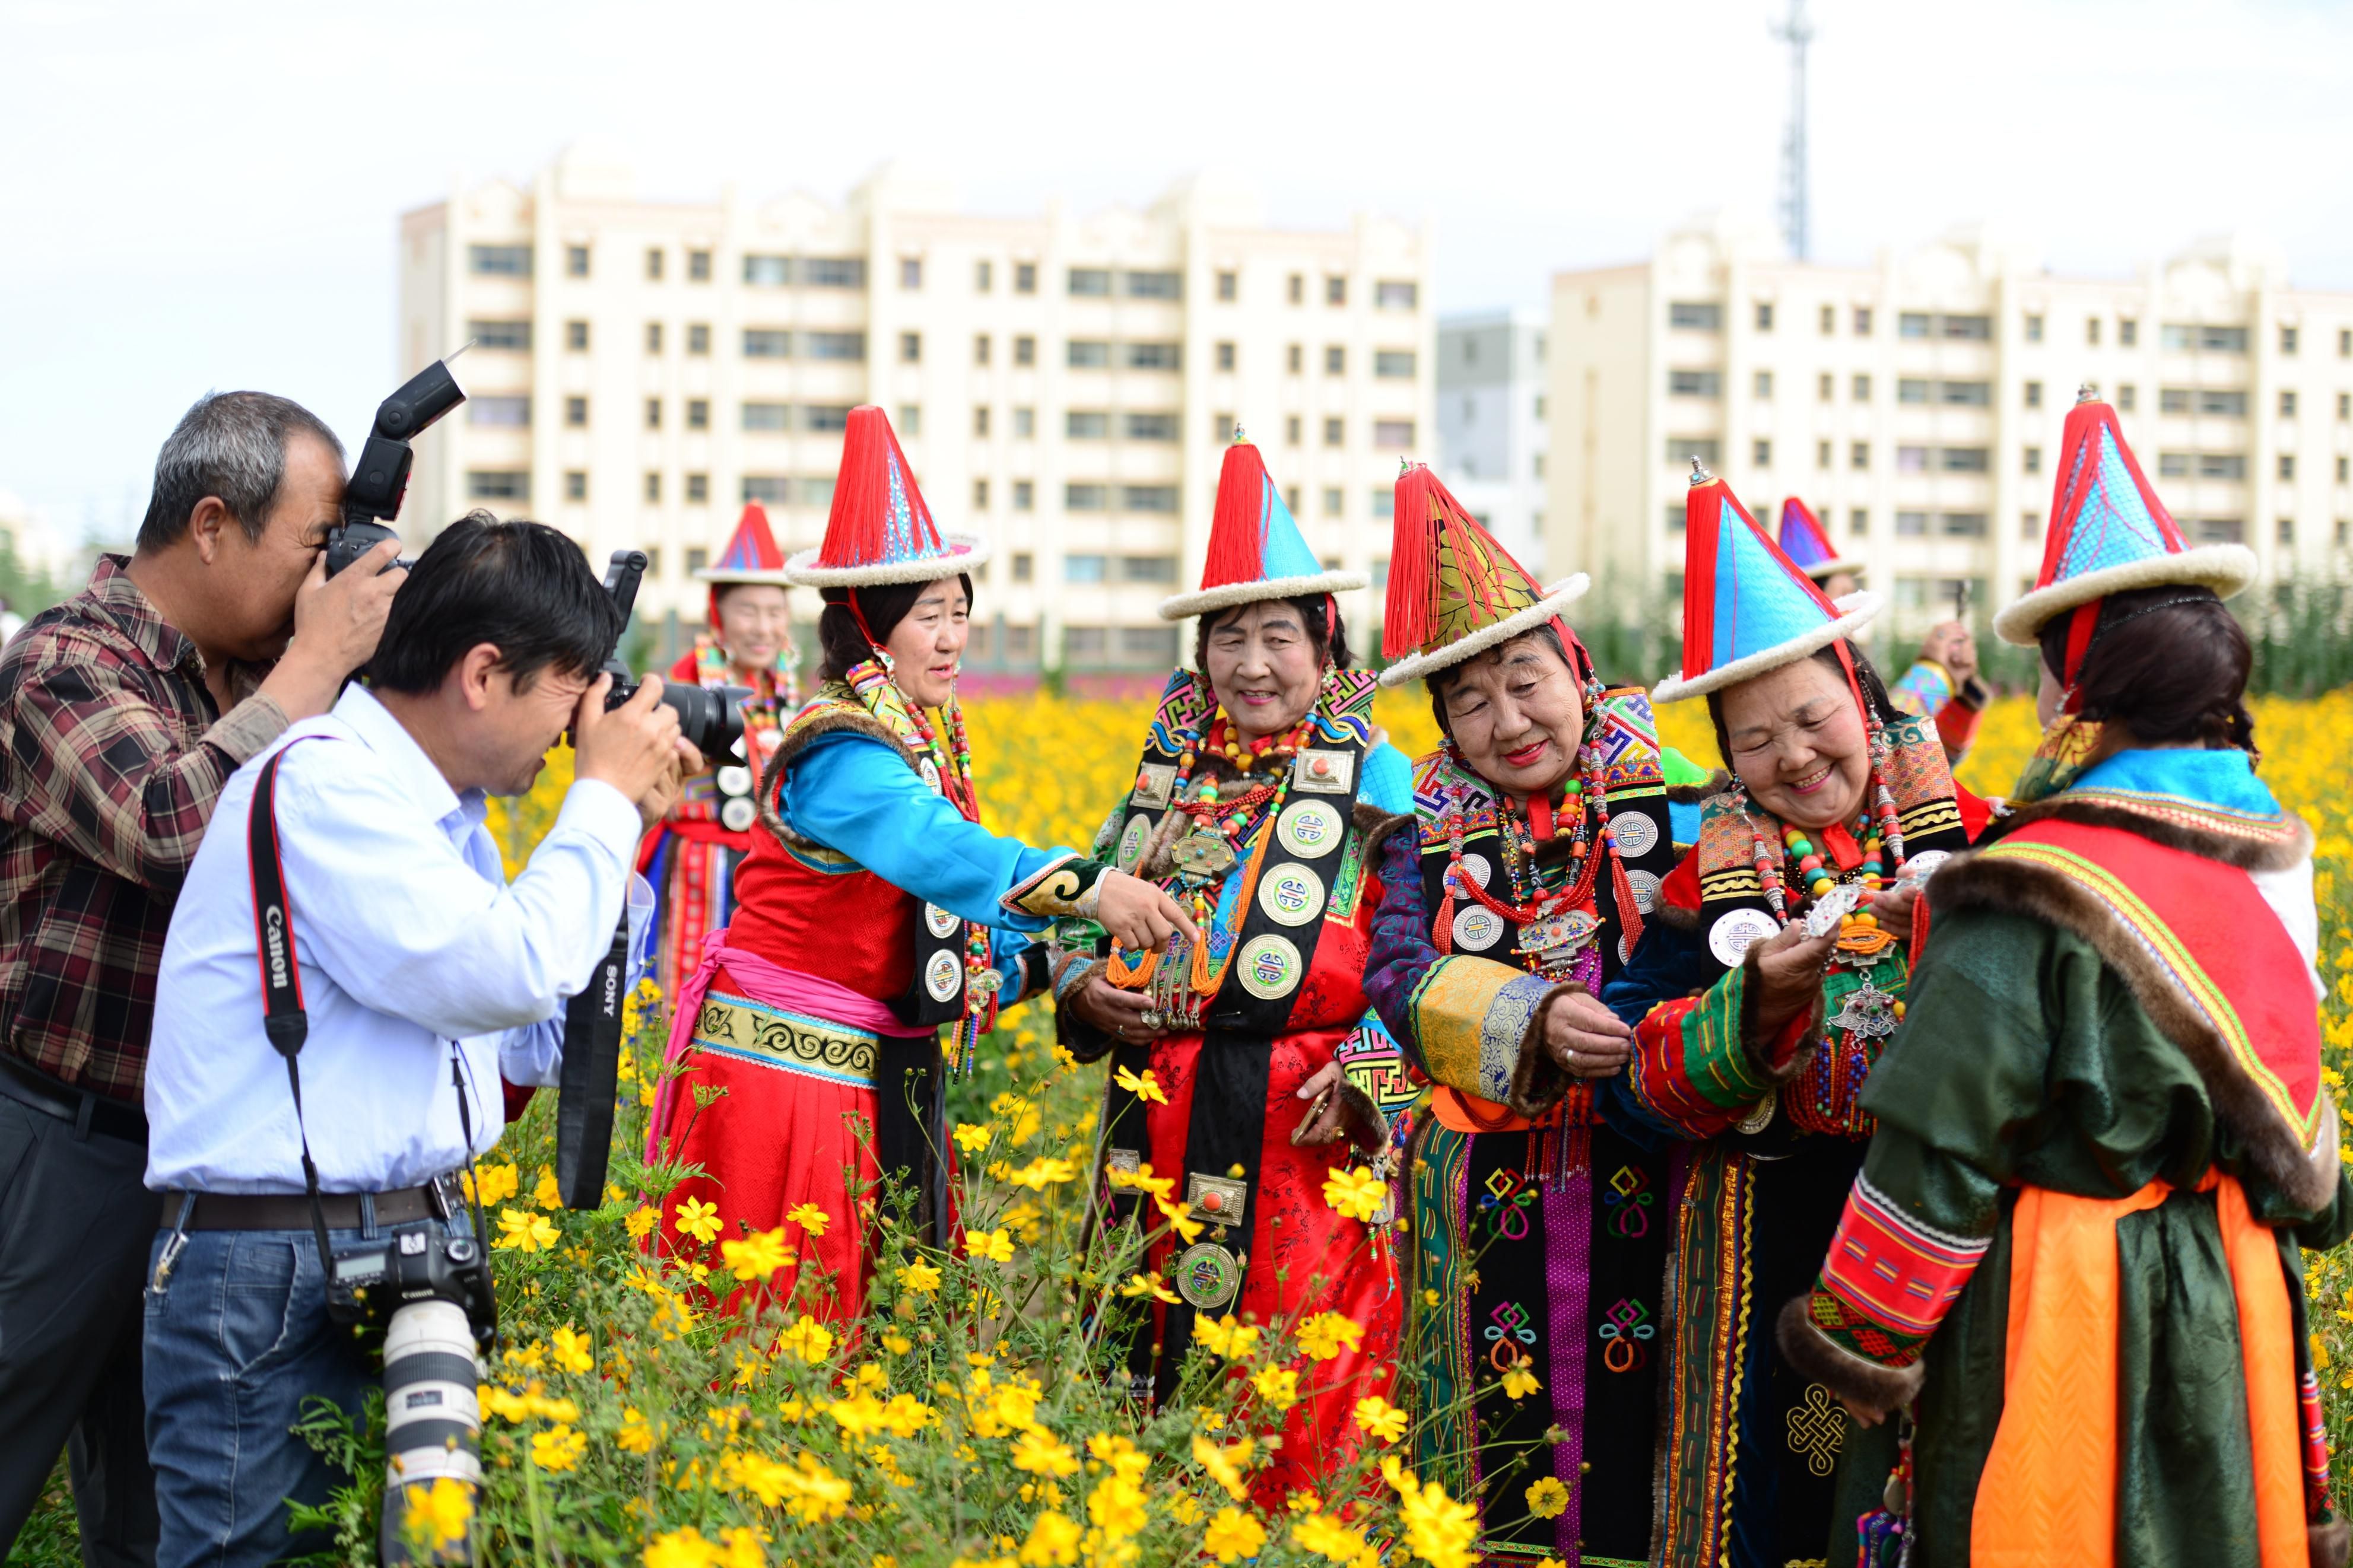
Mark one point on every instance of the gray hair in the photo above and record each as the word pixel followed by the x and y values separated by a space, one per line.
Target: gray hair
pixel 231 445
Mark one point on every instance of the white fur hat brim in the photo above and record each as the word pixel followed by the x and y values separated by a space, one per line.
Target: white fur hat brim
pixel 967 554
pixel 731 577
pixel 1178 606
pixel 2225 568
pixel 1558 598
pixel 1858 607
pixel 1820 570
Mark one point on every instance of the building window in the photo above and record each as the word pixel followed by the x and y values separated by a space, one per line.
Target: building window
pixel 834 345
pixel 1332 433
pixel 2343 464
pixel 980 345
pixel 1086 498
pixel 1291 500
pixel 1963 459
pixel 1760 453
pixel 1025 499
pixel 825 418
pixel 1829 321
pixel 2029 525
pixel 2287 405
pixel 2218 530
pixel 1680 384
pixel 1147 568
pixel 1394 364
pixel 575 412
pixel 2127 331
pixel 1025 351
pixel 1090 282
pixel 833 272
pixel 697 337
pixel 502 261
pixel 1762 385
pixel 653 413
pixel 767 271
pixel 2287 465
pixel 513 410
pixel 653 337
pixel 1225 355
pixel 1396 294
pixel 1858 522
pixel 1024 423
pixel 2285 529
pixel 698 267
pixel 2092 330
pixel 769 490
pixel 1858 456
pixel 1025 278
pixel 1860 389
pixel 1333 503
pixel 1911 459
pixel 653 264
pixel 2033 328
pixel 1682 449
pixel 1155 356
pixel 1962 524
pixel 1335 290
pixel 2175 337
pixel 2345 406
pixel 1695 316
pixel 1229 286
pixel 576 337
pixel 1335 360
pixel 2127 397
pixel 1862 320
pixel 980 421
pixel 1825 387
pixel 1295 359
pixel 2034 395
pixel 1966 394
pixel 1290 429
pixel 1147 498
pixel 1822 454
pixel 696 558
pixel 767 417
pixel 1086 354
pixel 2203 465
pixel 1223 428
pixel 575 484
pixel 767 342
pixel 513 335
pixel 984 277
pixel 2221 402
pixel 1083 568
pixel 1393 434
pixel 1150 427
pixel 911 348
pixel 980 495
pixel 911 419
pixel 1912 524
pixel 1154 285
pixel 1297 288
pixel 698 414
pixel 698 489
pixel 1911 389
pixel 1764 315
pixel 2287 340
pixel 653 487
pixel 2031 459
pixel 911 272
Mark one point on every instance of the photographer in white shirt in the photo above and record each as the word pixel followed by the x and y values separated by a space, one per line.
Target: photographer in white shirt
pixel 417 960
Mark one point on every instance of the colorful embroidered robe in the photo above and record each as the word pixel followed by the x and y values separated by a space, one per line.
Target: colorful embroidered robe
pixel 1755 1452
pixel 1536 1235
pixel 2102 1139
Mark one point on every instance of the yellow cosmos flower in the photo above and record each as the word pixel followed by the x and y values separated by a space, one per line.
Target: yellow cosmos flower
pixel 520 1230
pixel 1357 1193
pixel 1044 1172
pixel 758 1255
pixel 920 1278
pixel 1547 1499
pixel 1439 1529
pixel 546 1194
pixel 440 1514
pixel 1121 1454
pixel 1142 1285
pixel 697 1219
pixel 558 1449
pixel 641 1222
pixel 1379 1418
pixel 1143 1180
pixel 1234 1536
pixel 1326 1335
pixel 1519 1383
pixel 1053 1541
pixel 572 1351
pixel 1225 1464
pixel 989 1246
pixel 1143 1085
pixel 1117 1508
pixel 489 1185
pixel 681 1549
pixel 809 1218
pixel 972 1137
pixel 1039 1453
pixel 1279 1386
pixel 1224 1337
pixel 1327 1537
pixel 636 1435
pixel 808 1338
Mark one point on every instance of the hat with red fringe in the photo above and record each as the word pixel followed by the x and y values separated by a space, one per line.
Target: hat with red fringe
pixel 1453 590
pixel 751 555
pixel 2109 533
pixel 879 530
pixel 1747 608
pixel 1255 549
pixel 1805 540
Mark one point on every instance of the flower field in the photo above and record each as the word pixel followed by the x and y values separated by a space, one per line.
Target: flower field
pixel 633 1418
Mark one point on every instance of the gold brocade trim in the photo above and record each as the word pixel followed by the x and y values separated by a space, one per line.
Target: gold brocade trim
pixel 1929 817
pixel 795 1042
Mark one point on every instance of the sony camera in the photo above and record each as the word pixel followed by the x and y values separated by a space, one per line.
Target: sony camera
pixel 380 478
pixel 710 716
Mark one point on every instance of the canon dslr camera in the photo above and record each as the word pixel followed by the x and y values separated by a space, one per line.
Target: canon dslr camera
pixel 380 478
pixel 711 717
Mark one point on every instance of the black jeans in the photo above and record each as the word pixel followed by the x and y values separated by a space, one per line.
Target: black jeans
pixel 75 1224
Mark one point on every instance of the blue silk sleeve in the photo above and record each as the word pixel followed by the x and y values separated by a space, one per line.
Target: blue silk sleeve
pixel 858 797
pixel 1389 780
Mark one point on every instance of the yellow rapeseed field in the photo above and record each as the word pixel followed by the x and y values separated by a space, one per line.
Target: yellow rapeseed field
pixel 961 1429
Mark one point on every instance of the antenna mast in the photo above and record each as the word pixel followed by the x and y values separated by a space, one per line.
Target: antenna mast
pixel 1797 32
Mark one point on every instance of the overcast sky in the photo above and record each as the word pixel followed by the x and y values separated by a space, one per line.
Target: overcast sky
pixel 206 196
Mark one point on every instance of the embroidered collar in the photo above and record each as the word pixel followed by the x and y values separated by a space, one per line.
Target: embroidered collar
pixel 2222 780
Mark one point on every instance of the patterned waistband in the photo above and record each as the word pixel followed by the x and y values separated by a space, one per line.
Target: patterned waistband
pixel 791 1042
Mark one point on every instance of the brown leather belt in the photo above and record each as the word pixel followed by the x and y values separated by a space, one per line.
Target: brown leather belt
pixel 290 1211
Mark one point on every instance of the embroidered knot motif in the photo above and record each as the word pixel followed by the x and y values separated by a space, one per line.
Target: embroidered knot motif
pixel 1624 1326
pixel 1817 1429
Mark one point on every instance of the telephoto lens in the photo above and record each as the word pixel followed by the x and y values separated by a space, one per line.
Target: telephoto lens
pixel 433 1432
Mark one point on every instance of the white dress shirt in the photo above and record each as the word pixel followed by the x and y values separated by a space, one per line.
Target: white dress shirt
pixel 408 937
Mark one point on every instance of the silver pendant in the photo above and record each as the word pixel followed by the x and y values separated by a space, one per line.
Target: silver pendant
pixel 1869 1013
pixel 1203 855
pixel 1559 936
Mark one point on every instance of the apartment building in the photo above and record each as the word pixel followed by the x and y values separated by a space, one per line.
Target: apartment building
pixel 1917 404
pixel 1065 384
pixel 1490 424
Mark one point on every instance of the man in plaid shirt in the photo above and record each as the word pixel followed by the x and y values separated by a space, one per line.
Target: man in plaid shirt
pixel 123 712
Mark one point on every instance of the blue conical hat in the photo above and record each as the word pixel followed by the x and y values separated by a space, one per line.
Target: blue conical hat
pixel 1256 551
pixel 1747 608
pixel 1805 542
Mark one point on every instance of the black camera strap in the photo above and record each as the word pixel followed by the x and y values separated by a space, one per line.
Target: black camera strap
pixel 282 1017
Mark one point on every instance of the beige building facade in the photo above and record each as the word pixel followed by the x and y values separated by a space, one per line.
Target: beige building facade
pixel 1917 404
pixel 1062 384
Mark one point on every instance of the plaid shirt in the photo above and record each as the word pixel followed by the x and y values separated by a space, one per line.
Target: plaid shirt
pixel 111 754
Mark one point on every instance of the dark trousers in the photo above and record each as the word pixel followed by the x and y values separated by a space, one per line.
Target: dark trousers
pixel 75 1224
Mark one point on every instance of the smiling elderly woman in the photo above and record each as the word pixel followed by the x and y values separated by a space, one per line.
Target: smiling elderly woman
pixel 1761 996
pixel 1259 778
pixel 1537 1233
